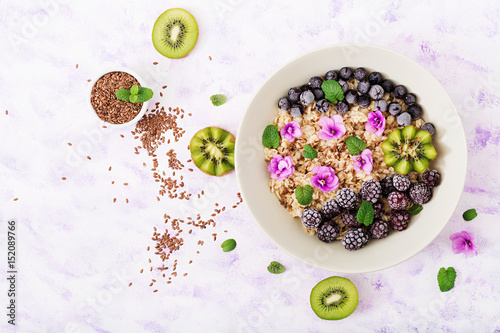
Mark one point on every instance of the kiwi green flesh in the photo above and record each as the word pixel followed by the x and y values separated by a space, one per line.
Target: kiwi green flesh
pixel 334 298
pixel 212 151
pixel 175 33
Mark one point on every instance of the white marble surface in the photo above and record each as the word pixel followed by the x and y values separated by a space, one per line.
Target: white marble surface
pixel 78 251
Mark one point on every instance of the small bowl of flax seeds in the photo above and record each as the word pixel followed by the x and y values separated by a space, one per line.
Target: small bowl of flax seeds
pixel 107 107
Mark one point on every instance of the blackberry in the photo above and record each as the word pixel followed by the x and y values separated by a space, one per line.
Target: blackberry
pixel 328 232
pixel 399 219
pixel 432 178
pixel 371 191
pixel 347 198
pixel 330 209
pixel 401 182
pixel 378 208
pixel 355 238
pixel 387 186
pixel 420 193
pixel 349 219
pixel 398 200
pixel 378 229
pixel 311 218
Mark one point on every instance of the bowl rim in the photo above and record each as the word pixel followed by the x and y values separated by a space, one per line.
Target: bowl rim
pixel 111 70
pixel 239 175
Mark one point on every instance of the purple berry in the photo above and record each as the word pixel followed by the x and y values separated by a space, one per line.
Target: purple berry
pixel 331 75
pixel 375 78
pixel 364 100
pixel 342 107
pixel 399 91
pixel 376 92
pixel 315 82
pixel 363 87
pixel 284 104
pixel 360 73
pixel 294 94
pixel 351 96
pixel 307 97
pixel 322 106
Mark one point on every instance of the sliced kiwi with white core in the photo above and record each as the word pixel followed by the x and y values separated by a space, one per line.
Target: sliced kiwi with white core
pixel 334 298
pixel 212 150
pixel 175 33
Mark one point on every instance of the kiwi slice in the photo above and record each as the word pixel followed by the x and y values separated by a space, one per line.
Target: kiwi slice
pixel 408 149
pixel 212 150
pixel 175 33
pixel 334 298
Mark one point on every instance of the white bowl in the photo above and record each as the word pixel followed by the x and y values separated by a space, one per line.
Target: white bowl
pixel 287 232
pixel 144 105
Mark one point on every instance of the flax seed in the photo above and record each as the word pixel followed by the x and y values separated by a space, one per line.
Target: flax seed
pixel 130 284
pixel 63 178
pixel 88 157
pixel 155 63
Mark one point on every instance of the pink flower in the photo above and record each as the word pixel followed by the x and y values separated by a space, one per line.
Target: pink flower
pixel 364 161
pixel 331 128
pixel 281 167
pixel 462 242
pixel 324 178
pixel 291 131
pixel 376 123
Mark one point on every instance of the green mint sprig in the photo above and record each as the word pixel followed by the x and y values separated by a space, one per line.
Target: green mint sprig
pixel 310 152
pixel 415 209
pixel 446 278
pixel 135 94
pixel 218 99
pixel 469 214
pixel 355 145
pixel 275 267
pixel 366 213
pixel 333 91
pixel 228 245
pixel 271 137
pixel 304 194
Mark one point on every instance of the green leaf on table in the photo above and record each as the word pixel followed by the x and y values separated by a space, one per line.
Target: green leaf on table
pixel 310 152
pixel 275 267
pixel 228 245
pixel 271 137
pixel 446 278
pixel 218 99
pixel 333 91
pixel 415 209
pixel 304 194
pixel 355 145
pixel 123 94
pixel 469 214
pixel 366 213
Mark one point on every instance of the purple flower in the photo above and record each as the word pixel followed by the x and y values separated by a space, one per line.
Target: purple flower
pixel 376 123
pixel 364 161
pixel 324 178
pixel 462 242
pixel 331 128
pixel 281 167
pixel 291 131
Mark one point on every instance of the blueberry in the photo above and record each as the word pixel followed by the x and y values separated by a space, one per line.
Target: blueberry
pixel 345 73
pixel 322 106
pixel 284 104
pixel 342 107
pixel 375 78
pixel 428 127
pixel 307 97
pixel 351 96
pixel 296 110
pixel 318 94
pixel 380 105
pixel 315 82
pixel 376 92
pixel 331 75
pixel 364 100
pixel 363 87
pixel 410 99
pixel 387 85
pixel 360 73
pixel 305 87
pixel 399 91
pixel 344 85
pixel 395 108
pixel 415 111
pixel 404 119
pixel 294 94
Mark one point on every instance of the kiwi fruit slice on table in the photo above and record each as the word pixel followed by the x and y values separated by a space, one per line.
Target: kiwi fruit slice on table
pixel 408 149
pixel 334 298
pixel 212 150
pixel 175 33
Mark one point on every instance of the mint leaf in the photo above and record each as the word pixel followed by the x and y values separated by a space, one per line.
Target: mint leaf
pixel 309 152
pixel 355 145
pixel 469 215
pixel 333 91
pixel 133 98
pixel 218 99
pixel 271 137
pixel 144 94
pixel 134 90
pixel 228 245
pixel 446 278
pixel 123 94
pixel 366 213
pixel 304 195
pixel 415 209
pixel 275 267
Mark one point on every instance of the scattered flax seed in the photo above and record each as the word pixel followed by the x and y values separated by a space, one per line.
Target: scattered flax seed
pixel 225 230
pixel 151 284
pixel 63 178
pixel 122 135
pixel 163 87
pixel 149 260
pixel 168 282
pixel 89 80
pixel 155 291
pixel 15 199
pixel 151 269
pixel 126 200
pixel 190 231
pixel 190 261
pixel 88 157
pixel 161 94
pixel 130 284
pixel 114 200
pixel 148 248
pixel 191 170
pixel 185 274
pixel 209 58
pixel 155 63
pixel 153 280
pixel 70 144
pixel 76 66
pixel 126 184
pixel 142 270
pixel 190 114
pixel 104 126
